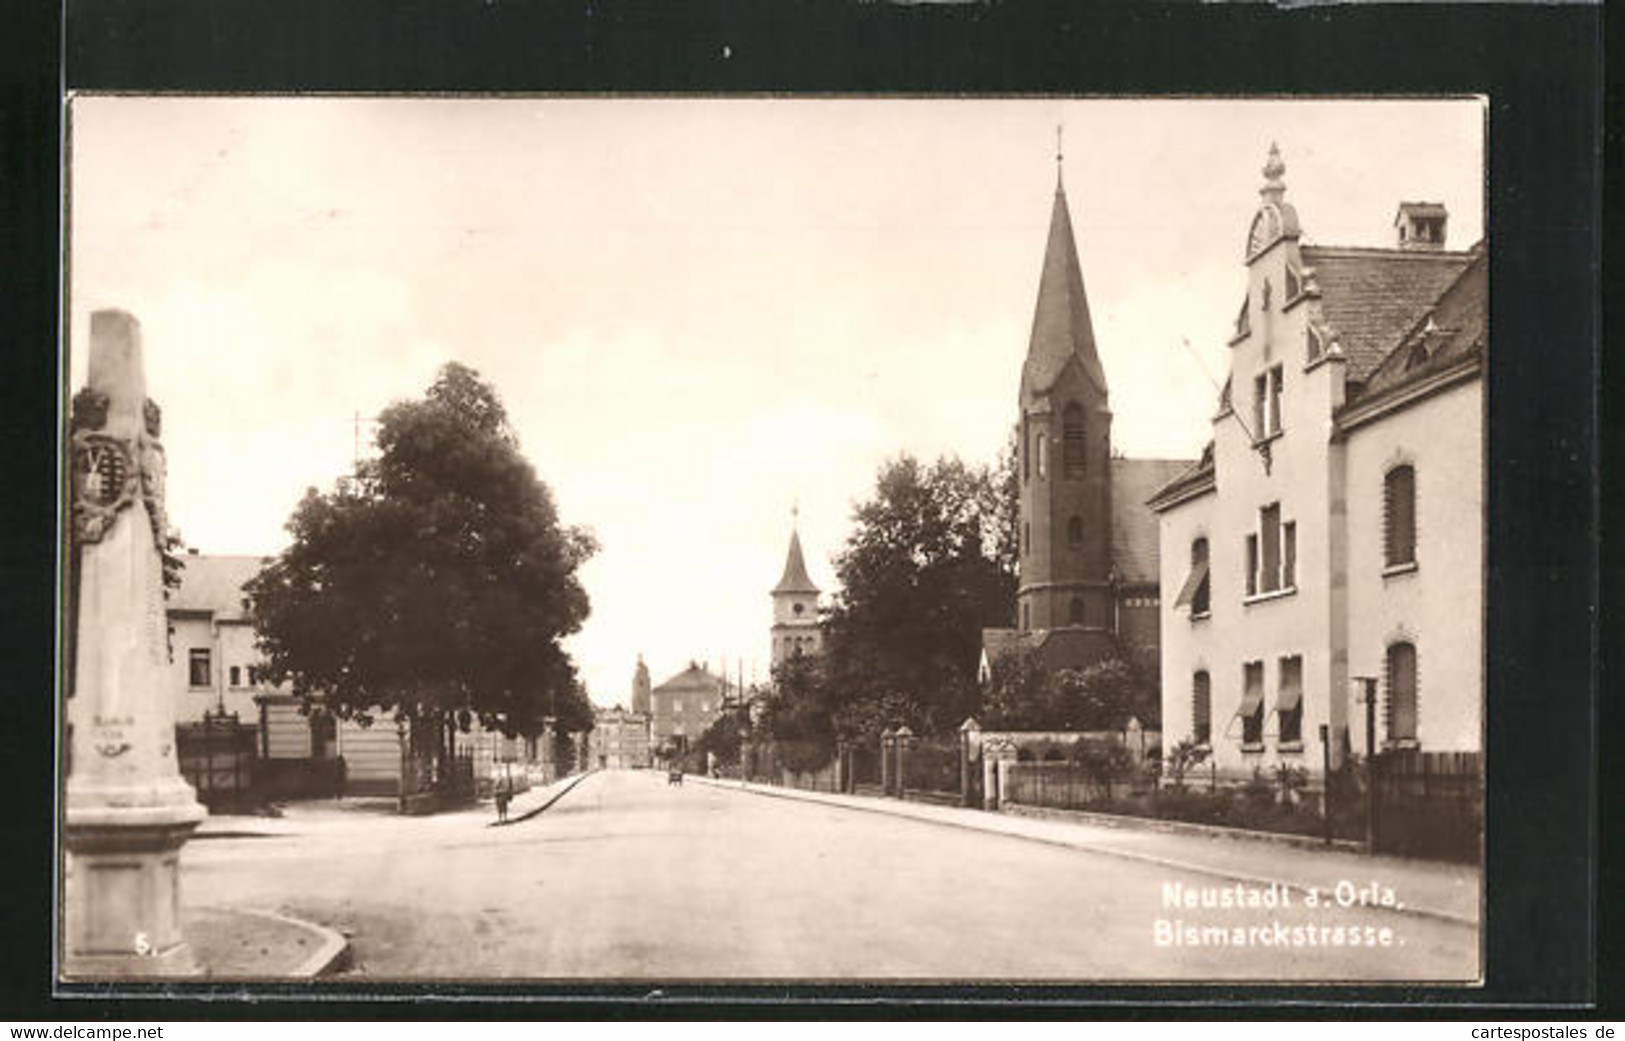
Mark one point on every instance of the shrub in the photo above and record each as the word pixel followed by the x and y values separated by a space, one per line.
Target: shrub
pixel 1181 759
pixel 1258 791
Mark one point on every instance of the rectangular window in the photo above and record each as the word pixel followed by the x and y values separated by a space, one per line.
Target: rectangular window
pixel 1195 590
pixel 1274 418
pixel 1269 533
pixel 198 672
pixel 1252 565
pixel 1289 701
pixel 1267 387
pixel 1289 555
pixel 236 676
pixel 1252 706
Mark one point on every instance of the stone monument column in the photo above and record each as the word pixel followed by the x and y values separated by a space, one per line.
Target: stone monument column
pixel 128 810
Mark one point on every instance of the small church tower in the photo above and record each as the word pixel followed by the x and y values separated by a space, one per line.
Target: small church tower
pixel 795 607
pixel 1066 451
pixel 640 688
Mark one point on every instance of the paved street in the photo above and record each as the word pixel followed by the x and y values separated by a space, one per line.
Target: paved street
pixel 626 877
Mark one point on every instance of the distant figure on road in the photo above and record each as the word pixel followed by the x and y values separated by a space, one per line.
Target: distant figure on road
pixel 503 795
pixel 674 776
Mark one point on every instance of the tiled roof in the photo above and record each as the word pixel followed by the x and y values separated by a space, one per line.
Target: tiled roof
pixel 794 579
pixel 1134 525
pixel 1370 297
pixel 1195 474
pixel 1061 326
pixel 214 584
pixel 1454 327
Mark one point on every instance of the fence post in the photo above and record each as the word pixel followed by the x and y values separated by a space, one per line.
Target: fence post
pixel 1371 771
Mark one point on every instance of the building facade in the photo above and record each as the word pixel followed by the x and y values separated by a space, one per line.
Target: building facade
pixel 684 706
pixel 1088 586
pixel 795 629
pixel 620 740
pixel 1331 534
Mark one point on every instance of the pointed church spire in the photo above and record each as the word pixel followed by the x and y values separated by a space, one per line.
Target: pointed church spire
pixel 795 578
pixel 1061 325
pixel 1059 156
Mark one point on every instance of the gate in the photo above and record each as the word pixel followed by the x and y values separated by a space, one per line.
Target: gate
pixel 1429 804
pixel 217 759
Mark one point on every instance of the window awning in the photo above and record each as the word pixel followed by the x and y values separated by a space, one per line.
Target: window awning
pixel 1192 584
pixel 1250 702
pixel 1288 700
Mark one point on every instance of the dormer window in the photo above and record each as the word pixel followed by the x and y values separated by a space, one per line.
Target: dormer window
pixel 1313 348
pixel 1294 284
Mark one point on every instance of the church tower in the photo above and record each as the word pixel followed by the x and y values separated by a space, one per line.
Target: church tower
pixel 640 688
pixel 795 608
pixel 1065 458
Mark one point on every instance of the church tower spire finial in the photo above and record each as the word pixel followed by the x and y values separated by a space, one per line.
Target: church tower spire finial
pixel 1060 154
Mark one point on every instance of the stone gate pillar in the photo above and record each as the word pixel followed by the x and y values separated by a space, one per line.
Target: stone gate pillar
pixel 128 811
pixel 887 740
pixel 902 743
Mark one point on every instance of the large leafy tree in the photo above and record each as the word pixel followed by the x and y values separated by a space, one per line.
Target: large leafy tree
pixel 927 567
pixel 437 583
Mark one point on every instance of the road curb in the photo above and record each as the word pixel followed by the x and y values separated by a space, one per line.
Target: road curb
pixel 332 953
pixel 536 810
pixel 1144 858
pixel 1177 827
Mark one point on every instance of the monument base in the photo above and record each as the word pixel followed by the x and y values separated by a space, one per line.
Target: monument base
pixel 122 893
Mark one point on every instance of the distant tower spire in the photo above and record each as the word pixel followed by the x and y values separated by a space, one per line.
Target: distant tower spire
pixel 1060 156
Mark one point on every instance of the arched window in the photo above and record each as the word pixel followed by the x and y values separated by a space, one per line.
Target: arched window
pixel 1402 692
pixel 1026 537
pixel 1026 616
pixel 1074 530
pixel 1074 611
pixel 1201 708
pixel 1399 516
pixel 1073 445
pixel 1038 452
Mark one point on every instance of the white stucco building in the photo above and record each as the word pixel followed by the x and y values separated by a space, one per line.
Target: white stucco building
pixel 1333 529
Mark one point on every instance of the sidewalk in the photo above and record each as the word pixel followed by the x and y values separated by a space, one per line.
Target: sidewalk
pixel 232 943
pixel 1427 888
pixel 529 803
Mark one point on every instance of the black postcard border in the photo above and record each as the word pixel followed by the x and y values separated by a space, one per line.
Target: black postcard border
pixel 1540 66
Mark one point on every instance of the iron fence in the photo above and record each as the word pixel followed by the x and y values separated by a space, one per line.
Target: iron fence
pixel 1429 804
pixel 217 759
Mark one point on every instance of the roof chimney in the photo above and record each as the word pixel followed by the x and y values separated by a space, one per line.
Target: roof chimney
pixel 1421 225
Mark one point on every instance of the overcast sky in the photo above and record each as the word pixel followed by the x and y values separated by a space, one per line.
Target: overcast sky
pixel 698 312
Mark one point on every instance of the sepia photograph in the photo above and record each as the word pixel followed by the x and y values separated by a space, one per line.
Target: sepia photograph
pixel 621 539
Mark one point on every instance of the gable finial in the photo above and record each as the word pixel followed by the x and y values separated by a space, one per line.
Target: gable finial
pixel 1274 187
pixel 795 512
